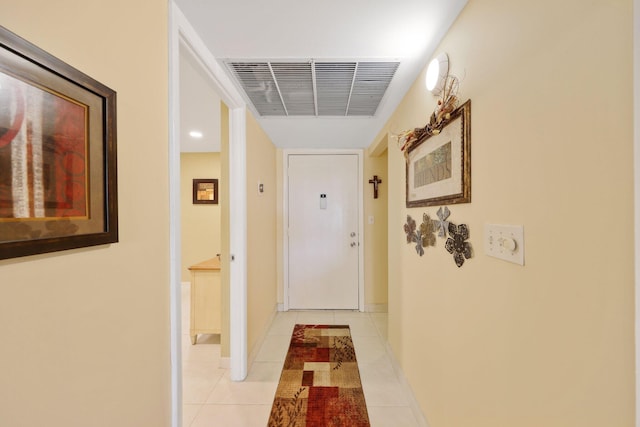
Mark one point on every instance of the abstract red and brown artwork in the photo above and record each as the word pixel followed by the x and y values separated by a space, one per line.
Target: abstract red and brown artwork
pixel 43 153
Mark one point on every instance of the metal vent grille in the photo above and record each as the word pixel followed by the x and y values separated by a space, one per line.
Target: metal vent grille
pixel 312 88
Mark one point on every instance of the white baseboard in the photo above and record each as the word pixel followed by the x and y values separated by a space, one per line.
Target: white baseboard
pixel 411 398
pixel 280 307
pixel 261 337
pixel 376 308
pixel 225 363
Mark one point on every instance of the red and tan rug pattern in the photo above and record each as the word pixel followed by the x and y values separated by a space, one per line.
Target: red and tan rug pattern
pixel 320 382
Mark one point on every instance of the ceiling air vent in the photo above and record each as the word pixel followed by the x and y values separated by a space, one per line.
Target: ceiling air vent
pixel 309 88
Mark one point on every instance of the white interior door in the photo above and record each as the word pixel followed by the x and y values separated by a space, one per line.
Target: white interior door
pixel 323 231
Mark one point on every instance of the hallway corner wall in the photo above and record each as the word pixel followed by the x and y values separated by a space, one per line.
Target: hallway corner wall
pixel 261 232
pixel 375 232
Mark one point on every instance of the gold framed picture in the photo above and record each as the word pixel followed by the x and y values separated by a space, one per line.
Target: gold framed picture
pixel 438 167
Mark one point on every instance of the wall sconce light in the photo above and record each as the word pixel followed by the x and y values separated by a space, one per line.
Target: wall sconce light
pixel 437 72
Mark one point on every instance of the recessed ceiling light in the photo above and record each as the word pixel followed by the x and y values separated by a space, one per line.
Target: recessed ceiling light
pixel 195 134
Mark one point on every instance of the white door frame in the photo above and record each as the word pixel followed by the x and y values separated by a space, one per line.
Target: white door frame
pixel 636 181
pixel 285 220
pixel 182 35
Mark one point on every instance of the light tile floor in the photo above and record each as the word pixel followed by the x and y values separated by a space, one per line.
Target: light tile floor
pixel 210 398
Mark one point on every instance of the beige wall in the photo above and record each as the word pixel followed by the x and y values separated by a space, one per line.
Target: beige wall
pixel 85 333
pixel 200 223
pixel 261 232
pixel 550 343
pixel 375 235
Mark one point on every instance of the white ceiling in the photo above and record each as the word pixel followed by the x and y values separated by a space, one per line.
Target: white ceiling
pixel 199 108
pixel 407 31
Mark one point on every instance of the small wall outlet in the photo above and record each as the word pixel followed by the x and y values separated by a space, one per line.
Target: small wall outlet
pixel 505 242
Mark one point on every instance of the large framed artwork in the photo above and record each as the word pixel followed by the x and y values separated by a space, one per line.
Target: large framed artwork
pixel 439 165
pixel 58 187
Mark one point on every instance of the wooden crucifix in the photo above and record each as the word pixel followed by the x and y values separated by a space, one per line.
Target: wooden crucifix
pixel 375 181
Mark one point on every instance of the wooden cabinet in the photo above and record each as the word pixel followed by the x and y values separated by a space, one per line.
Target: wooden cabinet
pixel 206 298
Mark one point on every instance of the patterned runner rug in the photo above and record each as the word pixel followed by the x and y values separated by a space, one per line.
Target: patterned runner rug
pixel 320 382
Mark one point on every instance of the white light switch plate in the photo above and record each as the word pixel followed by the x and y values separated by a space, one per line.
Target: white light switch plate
pixel 505 242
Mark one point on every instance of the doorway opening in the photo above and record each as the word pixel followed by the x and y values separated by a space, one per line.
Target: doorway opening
pixel 183 37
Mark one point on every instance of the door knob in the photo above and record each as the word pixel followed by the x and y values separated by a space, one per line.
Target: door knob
pixel 353 234
pixel 353 244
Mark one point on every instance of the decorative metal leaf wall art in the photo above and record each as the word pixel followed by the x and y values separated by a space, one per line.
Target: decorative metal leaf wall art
pixel 456 243
pixel 441 223
pixel 410 229
pixel 413 235
pixel 427 231
pixel 424 236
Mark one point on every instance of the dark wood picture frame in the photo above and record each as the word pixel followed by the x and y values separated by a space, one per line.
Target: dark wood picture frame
pixel 58 168
pixel 438 169
pixel 205 191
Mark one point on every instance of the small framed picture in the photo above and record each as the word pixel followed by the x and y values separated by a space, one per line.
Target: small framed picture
pixel 205 191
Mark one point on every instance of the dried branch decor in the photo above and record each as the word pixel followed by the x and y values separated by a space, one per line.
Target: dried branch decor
pixel 447 103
